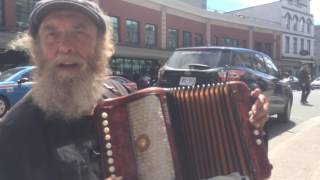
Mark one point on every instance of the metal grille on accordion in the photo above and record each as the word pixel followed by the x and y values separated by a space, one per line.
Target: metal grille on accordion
pixel 182 133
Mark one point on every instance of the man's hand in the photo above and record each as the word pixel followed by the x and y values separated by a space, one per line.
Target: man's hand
pixel 259 113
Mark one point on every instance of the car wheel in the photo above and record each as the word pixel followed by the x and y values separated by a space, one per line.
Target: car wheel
pixel 285 115
pixel 4 106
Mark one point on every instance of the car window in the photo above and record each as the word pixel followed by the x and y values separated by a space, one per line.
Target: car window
pixel 211 58
pixel 241 59
pixel 8 73
pixel 258 63
pixel 272 69
pixel 27 75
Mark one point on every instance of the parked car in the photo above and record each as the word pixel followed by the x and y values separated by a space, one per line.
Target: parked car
pixel 205 65
pixel 292 81
pixel 129 85
pixel 315 84
pixel 14 84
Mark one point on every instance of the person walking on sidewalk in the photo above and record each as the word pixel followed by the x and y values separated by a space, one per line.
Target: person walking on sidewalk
pixel 304 83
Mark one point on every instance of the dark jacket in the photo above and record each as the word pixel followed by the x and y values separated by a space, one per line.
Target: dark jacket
pixel 304 77
pixel 34 147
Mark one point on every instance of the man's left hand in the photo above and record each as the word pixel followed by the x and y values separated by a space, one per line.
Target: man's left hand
pixel 259 113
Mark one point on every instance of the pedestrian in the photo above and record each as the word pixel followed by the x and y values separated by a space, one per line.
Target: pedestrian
pixel 50 134
pixel 304 83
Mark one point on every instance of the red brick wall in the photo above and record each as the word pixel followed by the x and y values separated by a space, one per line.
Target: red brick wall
pixel 10 14
pixel 183 24
pixel 227 32
pixel 143 15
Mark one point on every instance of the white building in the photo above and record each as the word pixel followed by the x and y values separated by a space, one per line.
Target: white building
pixel 297 30
pixel 317 49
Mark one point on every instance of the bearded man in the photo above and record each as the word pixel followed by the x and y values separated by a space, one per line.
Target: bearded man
pixel 50 134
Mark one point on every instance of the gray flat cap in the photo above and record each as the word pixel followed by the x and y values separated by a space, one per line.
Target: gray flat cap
pixel 44 7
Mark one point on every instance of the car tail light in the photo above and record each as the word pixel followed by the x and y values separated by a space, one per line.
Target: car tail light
pixel 231 75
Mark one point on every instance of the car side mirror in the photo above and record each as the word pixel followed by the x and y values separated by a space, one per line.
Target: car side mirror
pixel 23 80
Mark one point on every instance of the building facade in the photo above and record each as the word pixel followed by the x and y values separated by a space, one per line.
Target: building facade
pixel 317 49
pixel 297 40
pixel 147 31
pixel 198 3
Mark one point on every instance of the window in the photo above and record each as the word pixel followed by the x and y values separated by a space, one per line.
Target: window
pixel 172 38
pixel 309 46
pixel 115 28
pixel 258 63
pixel 301 44
pixel 150 35
pixel 244 44
pixel 198 41
pixel 287 44
pixel 23 9
pixel 187 39
pixel 1 13
pixel 295 45
pixel 302 22
pixel 272 69
pixel 258 46
pixel 241 59
pixel 295 23
pixel 309 23
pixel 231 42
pixel 288 18
pixel 268 49
pixel 132 32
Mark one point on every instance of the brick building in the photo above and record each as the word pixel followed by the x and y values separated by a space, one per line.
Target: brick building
pixel 147 31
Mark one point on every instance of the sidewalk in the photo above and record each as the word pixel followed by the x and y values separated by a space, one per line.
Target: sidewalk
pixel 296 155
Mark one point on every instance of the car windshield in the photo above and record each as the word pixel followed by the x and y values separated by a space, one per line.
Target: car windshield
pixel 8 73
pixel 210 58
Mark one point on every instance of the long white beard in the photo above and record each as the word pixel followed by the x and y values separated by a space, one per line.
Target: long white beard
pixel 67 98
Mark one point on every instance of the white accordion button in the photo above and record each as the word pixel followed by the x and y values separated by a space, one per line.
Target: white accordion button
pixel 112 169
pixel 259 141
pixel 109 153
pixel 107 137
pixel 105 123
pixel 108 145
pixel 256 132
pixel 106 130
pixel 110 161
pixel 104 115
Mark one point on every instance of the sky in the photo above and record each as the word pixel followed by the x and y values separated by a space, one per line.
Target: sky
pixel 230 5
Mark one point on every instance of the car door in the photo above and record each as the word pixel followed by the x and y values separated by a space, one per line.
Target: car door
pixel 24 86
pixel 279 95
pixel 265 81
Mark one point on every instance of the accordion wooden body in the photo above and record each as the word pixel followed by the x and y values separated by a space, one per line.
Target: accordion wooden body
pixel 181 133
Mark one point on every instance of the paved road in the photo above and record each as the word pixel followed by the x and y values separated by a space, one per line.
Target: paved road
pixel 299 113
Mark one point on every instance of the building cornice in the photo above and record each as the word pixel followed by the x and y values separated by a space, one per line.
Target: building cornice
pixel 201 15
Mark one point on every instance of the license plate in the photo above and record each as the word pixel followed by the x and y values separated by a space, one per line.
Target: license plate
pixel 187 81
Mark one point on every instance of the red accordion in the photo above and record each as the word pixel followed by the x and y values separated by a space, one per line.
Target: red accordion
pixel 181 133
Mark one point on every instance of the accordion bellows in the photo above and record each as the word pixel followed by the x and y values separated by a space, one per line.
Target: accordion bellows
pixel 181 133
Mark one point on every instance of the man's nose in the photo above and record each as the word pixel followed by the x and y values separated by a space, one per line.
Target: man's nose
pixel 65 44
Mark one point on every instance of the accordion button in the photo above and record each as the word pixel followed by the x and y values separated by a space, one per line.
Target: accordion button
pixel 105 123
pixel 106 130
pixel 110 161
pixel 109 153
pixel 108 145
pixel 107 137
pixel 259 141
pixel 256 132
pixel 104 115
pixel 112 169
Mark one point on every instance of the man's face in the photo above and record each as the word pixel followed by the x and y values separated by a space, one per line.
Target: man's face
pixel 70 66
pixel 68 40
